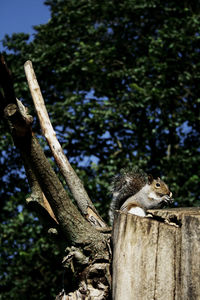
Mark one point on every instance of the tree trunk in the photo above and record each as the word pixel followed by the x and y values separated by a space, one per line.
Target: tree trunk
pixel 157 258
pixel 83 236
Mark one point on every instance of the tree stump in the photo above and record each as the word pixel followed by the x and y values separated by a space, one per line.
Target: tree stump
pixel 158 257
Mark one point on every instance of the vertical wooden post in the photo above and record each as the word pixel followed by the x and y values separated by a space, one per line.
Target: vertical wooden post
pixel 157 258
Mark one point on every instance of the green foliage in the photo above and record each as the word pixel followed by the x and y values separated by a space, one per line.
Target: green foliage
pixel 28 260
pixel 121 83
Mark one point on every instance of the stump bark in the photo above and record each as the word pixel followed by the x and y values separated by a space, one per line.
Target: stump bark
pixel 157 257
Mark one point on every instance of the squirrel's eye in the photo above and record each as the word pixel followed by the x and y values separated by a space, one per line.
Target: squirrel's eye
pixel 157 184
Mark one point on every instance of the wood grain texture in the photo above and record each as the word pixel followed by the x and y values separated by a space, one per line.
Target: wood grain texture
pixel 157 259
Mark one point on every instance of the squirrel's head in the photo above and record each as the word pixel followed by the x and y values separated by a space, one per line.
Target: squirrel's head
pixel 161 190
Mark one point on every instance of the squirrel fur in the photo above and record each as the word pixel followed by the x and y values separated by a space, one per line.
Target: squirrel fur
pixel 135 192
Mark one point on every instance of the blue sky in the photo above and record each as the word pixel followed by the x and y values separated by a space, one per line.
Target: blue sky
pixel 20 15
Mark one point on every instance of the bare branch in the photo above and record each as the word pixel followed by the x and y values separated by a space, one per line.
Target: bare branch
pixel 20 125
pixel 75 185
pixel 71 222
pixel 89 255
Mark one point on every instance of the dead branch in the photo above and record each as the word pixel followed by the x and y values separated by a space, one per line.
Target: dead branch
pixel 90 250
pixel 74 183
pixel 75 228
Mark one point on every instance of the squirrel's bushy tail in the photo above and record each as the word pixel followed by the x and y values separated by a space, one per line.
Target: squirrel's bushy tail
pixel 125 185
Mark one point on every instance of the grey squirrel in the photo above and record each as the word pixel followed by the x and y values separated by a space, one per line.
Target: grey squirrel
pixel 135 192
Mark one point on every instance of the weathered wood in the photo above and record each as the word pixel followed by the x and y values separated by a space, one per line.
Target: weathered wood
pixel 157 258
pixel 87 261
pixel 74 183
pixel 190 257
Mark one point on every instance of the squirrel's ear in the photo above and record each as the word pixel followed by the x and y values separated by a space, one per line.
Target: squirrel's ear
pixel 150 179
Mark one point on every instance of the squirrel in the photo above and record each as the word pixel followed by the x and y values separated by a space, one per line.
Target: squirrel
pixel 134 192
